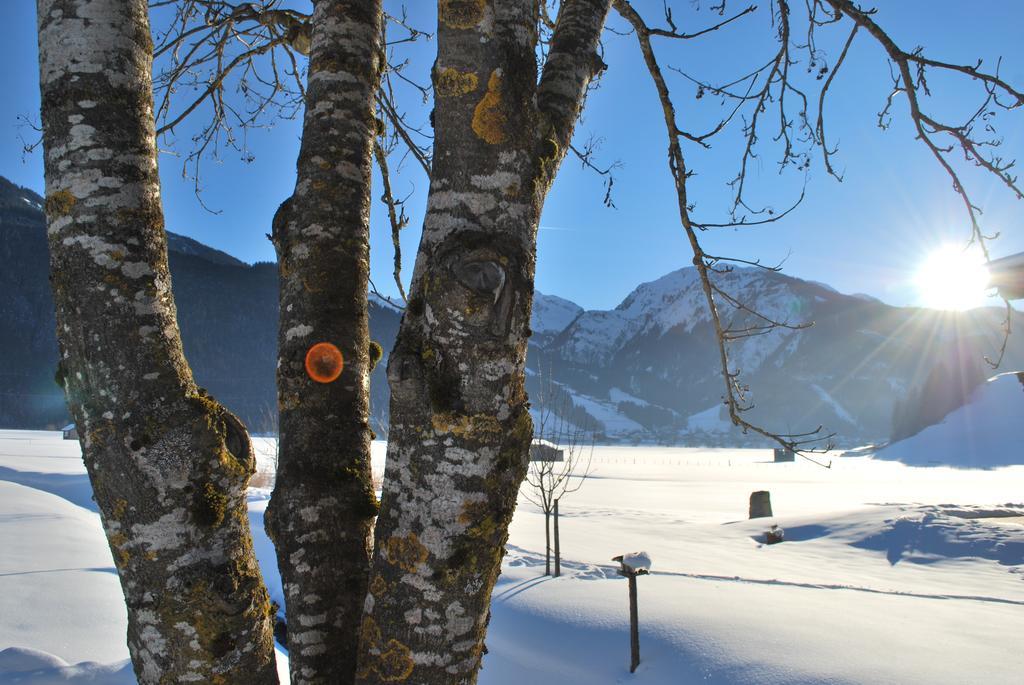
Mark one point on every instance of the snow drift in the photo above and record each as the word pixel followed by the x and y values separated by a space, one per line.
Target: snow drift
pixel 983 433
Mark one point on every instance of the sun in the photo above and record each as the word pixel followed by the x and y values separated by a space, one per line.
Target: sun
pixel 952 278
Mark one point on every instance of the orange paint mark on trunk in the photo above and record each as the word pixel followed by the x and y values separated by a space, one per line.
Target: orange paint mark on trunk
pixel 324 362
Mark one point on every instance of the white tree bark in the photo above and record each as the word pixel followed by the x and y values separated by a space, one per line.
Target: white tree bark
pixel 460 427
pixel 168 464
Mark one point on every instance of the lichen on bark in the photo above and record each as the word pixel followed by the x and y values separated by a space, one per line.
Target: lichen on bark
pixel 323 503
pixel 451 82
pixel 168 465
pixel 489 119
pixel 461 14
pixel 460 426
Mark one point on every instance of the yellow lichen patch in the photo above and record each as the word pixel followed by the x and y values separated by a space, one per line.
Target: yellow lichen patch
pixel 395 663
pixel 369 634
pixel 488 118
pixel 406 552
pixel 216 631
pixel 120 507
pixel 211 505
pixel 114 281
pixel 451 82
pixel 516 445
pixel 237 467
pixel 466 426
pixel 118 542
pixel 378 586
pixel 60 203
pixel 98 435
pixel 460 14
pixel 477 518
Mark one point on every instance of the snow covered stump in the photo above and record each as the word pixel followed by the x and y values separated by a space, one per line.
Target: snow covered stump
pixel 760 504
pixel 632 565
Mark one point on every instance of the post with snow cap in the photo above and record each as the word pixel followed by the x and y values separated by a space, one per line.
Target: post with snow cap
pixel 632 565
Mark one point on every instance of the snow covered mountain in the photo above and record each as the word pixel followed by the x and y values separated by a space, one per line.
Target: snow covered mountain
pixel 648 369
pixel 551 315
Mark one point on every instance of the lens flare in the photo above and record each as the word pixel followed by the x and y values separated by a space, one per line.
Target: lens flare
pixel 952 278
pixel 324 362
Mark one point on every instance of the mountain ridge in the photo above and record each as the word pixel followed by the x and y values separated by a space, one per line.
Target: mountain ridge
pixel 852 372
pixel 646 371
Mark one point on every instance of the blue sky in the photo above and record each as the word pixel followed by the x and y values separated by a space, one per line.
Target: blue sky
pixel 867 234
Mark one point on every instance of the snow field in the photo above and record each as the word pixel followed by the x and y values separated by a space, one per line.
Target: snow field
pixel 889 574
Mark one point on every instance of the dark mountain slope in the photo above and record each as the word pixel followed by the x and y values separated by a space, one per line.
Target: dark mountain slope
pixel 227 311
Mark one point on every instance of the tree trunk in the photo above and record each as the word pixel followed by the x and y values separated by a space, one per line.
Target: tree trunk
pixel 168 465
pixel 547 543
pixel 558 549
pixel 323 505
pixel 460 427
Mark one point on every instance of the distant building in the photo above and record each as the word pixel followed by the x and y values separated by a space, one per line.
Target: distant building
pixel 784 454
pixel 70 432
pixel 1007 276
pixel 542 450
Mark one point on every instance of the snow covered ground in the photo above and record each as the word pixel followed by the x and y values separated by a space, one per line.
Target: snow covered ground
pixel 980 434
pixel 888 573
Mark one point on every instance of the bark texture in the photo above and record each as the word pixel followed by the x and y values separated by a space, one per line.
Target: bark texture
pixel 323 505
pixel 168 465
pixel 460 428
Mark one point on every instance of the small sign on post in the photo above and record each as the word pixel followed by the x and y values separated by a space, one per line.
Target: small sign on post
pixel 632 565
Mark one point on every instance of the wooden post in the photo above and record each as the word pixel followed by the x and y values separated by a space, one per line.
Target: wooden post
pixel 558 549
pixel 634 625
pixel 627 570
pixel 547 543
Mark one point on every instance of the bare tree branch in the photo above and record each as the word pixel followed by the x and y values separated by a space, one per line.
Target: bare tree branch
pixel 911 78
pixel 735 392
pixel 826 152
pixel 396 214
pixel 911 84
pixel 211 47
